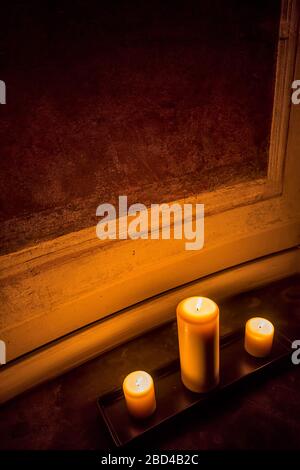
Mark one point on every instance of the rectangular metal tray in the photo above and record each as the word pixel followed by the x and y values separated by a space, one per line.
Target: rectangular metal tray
pixel 173 398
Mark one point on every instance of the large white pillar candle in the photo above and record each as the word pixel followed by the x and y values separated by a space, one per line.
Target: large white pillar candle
pixel 198 335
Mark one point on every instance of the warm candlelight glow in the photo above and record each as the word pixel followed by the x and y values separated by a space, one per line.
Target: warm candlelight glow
pixel 198 334
pixel 259 334
pixel 139 393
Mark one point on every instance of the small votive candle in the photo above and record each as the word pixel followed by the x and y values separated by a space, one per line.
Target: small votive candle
pixel 138 388
pixel 259 334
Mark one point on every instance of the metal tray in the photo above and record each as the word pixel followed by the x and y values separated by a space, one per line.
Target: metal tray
pixel 174 399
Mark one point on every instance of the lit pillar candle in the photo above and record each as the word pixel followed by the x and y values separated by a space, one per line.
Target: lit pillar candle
pixel 139 394
pixel 198 335
pixel 259 334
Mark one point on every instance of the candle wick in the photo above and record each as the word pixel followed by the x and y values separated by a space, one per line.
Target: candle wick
pixel 138 382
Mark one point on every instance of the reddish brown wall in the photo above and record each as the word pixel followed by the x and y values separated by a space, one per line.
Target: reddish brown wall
pixel 157 100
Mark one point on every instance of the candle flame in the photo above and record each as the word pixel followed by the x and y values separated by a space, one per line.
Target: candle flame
pixel 139 382
pixel 199 304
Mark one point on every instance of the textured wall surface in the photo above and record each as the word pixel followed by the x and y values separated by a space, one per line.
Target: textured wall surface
pixel 156 100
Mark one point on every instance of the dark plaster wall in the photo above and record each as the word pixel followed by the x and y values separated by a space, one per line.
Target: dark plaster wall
pixel 153 99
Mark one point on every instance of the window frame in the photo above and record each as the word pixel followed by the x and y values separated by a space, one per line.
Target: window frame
pixel 58 286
